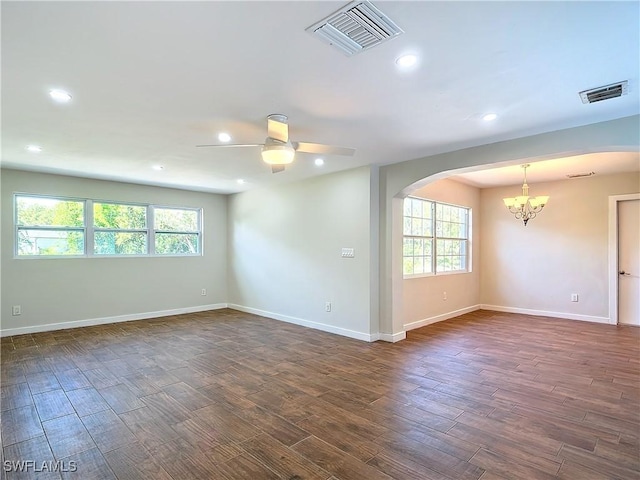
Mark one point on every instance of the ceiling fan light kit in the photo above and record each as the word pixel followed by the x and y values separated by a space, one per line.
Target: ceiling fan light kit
pixel 278 150
pixel 275 152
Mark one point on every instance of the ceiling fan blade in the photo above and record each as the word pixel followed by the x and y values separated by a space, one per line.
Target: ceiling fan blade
pixel 235 145
pixel 307 147
pixel 277 168
pixel 277 127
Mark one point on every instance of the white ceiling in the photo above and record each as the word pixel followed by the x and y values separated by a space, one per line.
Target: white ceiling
pixel 150 80
pixel 552 170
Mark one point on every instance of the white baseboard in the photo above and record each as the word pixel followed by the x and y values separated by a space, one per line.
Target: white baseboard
pixel 544 313
pixel 101 321
pixel 307 323
pixel 440 318
pixel 392 337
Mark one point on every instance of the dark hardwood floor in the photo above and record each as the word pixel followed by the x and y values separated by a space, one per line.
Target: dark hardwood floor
pixel 228 395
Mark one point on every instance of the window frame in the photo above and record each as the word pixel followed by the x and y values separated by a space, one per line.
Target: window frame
pixel 154 230
pixel 434 237
pixel 89 229
pixel 92 229
pixel 17 228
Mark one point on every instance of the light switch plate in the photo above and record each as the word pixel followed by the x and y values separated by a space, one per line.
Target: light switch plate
pixel 348 253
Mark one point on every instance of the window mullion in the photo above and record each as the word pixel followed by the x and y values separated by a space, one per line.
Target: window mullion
pixel 434 237
pixel 151 233
pixel 89 240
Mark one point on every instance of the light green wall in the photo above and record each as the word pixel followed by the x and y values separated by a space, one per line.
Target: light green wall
pixel 52 291
pixel 285 247
pixel 282 244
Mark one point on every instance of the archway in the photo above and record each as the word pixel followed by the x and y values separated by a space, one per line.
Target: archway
pixel 398 180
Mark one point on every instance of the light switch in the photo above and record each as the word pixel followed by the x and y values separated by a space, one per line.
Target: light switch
pixel 348 253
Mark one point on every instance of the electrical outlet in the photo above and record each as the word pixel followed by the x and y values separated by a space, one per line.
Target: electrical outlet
pixel 204 292
pixel 327 307
pixel 444 295
pixel 16 310
pixel 574 297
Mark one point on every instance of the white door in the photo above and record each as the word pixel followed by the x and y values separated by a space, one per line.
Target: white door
pixel 629 262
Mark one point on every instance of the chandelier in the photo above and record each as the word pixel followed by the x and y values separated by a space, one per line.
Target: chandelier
pixel 524 207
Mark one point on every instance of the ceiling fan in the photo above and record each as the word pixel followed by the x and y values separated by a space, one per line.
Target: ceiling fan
pixel 278 151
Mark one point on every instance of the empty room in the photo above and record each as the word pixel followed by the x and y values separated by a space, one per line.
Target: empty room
pixel 320 240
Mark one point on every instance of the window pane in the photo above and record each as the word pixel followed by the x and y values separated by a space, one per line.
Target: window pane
pixel 176 219
pixel 416 207
pixel 176 243
pixel 427 228
pixel 418 265
pixel 120 243
pixel 407 207
pixel 119 216
pixel 418 246
pixel 407 226
pixel 407 266
pixel 416 226
pixel 49 212
pixel 442 264
pixel 50 242
pixel 407 247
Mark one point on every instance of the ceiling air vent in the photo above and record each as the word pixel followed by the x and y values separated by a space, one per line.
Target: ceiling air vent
pixel 355 27
pixel 604 93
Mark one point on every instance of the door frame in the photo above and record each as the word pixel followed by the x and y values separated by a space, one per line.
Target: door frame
pixel 613 252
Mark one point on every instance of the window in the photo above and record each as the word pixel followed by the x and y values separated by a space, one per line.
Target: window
pixel 119 229
pixel 418 237
pixel 48 226
pixel 436 237
pixel 177 231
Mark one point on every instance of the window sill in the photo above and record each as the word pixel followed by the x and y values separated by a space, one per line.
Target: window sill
pixel 440 274
pixel 70 257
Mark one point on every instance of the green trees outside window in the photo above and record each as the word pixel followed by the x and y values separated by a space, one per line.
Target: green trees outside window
pixel 48 226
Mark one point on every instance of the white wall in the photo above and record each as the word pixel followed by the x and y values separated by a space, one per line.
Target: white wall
pixel 423 299
pixel 285 252
pixel 562 251
pixel 53 291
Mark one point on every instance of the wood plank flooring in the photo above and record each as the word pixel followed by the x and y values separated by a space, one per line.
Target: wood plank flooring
pixel 228 395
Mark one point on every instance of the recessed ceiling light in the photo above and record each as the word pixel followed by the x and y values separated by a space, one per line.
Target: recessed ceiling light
pixel 407 60
pixel 490 117
pixel 319 162
pixel 34 148
pixel 158 167
pixel 60 95
pixel 224 137
pixel 240 181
